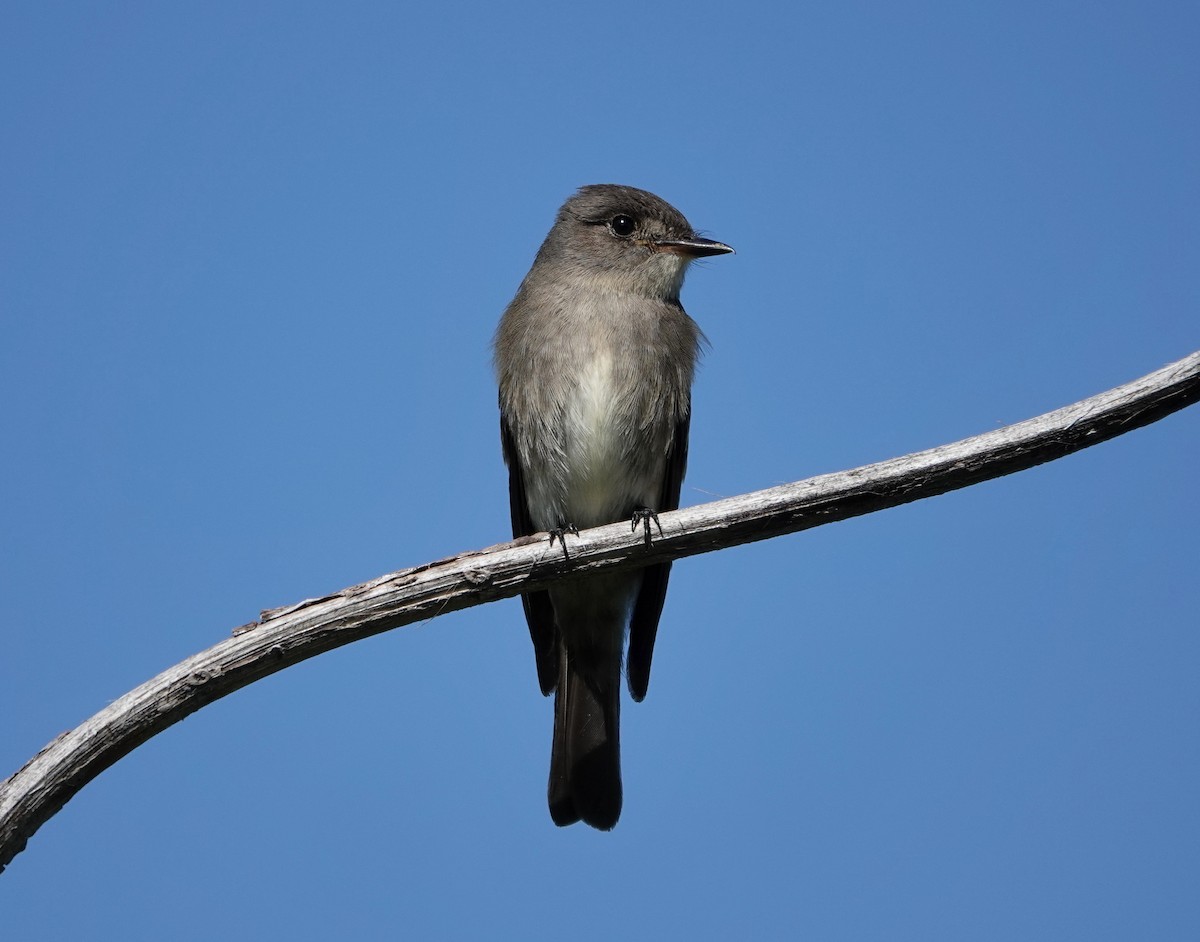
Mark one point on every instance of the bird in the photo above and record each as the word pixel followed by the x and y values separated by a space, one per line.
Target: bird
pixel 594 359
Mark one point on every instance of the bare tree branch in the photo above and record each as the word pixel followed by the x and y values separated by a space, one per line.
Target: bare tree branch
pixel 285 636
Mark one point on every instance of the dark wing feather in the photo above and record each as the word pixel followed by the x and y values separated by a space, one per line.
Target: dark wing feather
pixel 539 613
pixel 643 626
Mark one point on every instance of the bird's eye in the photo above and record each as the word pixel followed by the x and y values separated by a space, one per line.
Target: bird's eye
pixel 622 225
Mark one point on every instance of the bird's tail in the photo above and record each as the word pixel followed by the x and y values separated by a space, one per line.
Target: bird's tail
pixel 585 760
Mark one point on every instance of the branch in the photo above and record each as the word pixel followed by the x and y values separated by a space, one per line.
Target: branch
pixel 285 636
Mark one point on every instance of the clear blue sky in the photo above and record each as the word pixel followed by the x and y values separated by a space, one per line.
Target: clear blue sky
pixel 252 257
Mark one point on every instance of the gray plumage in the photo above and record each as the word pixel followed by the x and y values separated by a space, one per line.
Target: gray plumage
pixel 595 358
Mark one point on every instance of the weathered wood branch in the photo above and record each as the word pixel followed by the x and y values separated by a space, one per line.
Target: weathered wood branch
pixel 285 636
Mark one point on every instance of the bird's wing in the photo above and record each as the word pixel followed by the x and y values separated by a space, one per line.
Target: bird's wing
pixel 643 626
pixel 538 610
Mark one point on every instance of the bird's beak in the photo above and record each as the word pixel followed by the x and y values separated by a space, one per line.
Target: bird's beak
pixel 694 247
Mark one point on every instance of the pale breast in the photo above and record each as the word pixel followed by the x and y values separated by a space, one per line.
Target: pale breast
pixel 609 469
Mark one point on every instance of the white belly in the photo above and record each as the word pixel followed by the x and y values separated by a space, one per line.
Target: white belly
pixel 598 455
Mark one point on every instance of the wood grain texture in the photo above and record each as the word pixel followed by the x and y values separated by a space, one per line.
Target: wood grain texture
pixel 285 636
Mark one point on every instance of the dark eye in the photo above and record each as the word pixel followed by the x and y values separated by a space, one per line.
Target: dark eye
pixel 622 225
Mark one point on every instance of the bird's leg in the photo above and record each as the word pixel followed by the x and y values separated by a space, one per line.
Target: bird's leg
pixel 644 515
pixel 560 533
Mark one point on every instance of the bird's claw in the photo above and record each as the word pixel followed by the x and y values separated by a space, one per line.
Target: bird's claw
pixel 560 534
pixel 644 515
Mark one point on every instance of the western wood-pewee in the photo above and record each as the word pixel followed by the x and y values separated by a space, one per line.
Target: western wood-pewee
pixel 595 357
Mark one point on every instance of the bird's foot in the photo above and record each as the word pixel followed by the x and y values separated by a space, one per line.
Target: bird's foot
pixel 560 534
pixel 643 516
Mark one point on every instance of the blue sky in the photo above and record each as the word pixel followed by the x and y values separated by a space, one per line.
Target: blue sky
pixel 252 257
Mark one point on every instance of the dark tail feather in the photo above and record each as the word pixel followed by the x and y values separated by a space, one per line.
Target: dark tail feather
pixel 585 760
